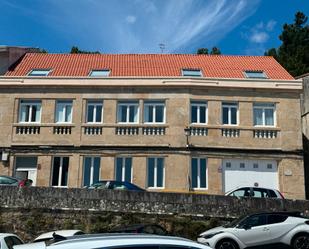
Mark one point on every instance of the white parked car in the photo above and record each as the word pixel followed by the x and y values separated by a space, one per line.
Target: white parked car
pixel 63 233
pixel 255 192
pixel 275 228
pixel 8 240
pixel 117 241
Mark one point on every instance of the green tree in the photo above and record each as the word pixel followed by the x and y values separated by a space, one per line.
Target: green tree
pixel 214 50
pixel 202 51
pixel 43 51
pixel 76 50
pixel 293 53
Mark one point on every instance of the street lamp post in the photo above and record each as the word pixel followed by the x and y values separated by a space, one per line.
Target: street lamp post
pixel 187 131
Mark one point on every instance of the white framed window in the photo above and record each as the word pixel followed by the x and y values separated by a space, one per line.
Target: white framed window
pixel 64 111
pixel 229 113
pixel 199 112
pixel 154 112
pixel 99 73
pixel 199 173
pixel 94 111
pixel 269 166
pixel 155 172
pixel 123 170
pixel 192 72
pixel 60 171
pixel 264 114
pixel 255 74
pixel 127 112
pixel 30 111
pixel 91 170
pixel 26 168
pixel 39 72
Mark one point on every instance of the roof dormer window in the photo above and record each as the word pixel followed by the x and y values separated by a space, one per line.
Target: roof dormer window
pixel 39 72
pixel 255 74
pixel 100 73
pixel 192 72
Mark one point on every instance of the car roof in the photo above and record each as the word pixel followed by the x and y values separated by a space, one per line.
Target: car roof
pixel 64 233
pixel 134 226
pixel 2 235
pixel 96 240
pixel 241 187
pixel 289 213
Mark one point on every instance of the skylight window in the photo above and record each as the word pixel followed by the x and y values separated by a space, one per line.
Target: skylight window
pixel 192 72
pixel 39 72
pixel 255 74
pixel 100 73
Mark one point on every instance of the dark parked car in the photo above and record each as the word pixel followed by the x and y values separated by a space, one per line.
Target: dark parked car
pixel 141 228
pixel 118 185
pixel 13 181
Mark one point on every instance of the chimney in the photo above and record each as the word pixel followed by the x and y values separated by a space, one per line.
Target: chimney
pixel 10 54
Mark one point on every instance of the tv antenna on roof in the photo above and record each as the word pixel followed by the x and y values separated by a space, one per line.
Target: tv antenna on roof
pixel 162 47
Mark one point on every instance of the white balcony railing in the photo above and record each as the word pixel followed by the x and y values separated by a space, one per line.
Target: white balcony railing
pixel 269 134
pixel 198 131
pixel 93 130
pixel 227 132
pixel 126 131
pixel 27 130
pixel 62 130
pixel 153 131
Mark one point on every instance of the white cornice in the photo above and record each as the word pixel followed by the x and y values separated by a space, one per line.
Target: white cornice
pixel 6 81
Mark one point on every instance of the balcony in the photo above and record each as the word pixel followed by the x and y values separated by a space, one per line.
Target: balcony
pixel 92 130
pixel 145 135
pixel 198 131
pixel 230 132
pixel 62 130
pixel 267 134
pixel 127 131
pixel 27 129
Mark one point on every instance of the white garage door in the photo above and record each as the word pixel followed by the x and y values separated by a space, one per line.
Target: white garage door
pixel 259 173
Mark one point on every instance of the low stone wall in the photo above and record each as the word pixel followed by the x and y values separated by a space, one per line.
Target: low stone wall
pixel 141 202
pixel 31 211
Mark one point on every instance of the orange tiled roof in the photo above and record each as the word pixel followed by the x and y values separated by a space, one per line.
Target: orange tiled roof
pixel 157 65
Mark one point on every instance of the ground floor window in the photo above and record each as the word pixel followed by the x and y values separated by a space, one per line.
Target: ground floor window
pixel 60 171
pixel 123 171
pixel 91 169
pixel 198 173
pixel 26 168
pixel 155 172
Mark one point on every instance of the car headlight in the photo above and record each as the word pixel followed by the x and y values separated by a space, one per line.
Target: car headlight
pixel 208 236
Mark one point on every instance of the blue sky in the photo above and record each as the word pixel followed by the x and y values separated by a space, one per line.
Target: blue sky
pixel 247 27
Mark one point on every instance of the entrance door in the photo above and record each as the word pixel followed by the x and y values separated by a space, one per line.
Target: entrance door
pixel 249 173
pixel 26 168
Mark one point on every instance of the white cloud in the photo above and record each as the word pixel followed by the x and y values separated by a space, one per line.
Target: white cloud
pixel 260 33
pixel 259 37
pixel 270 25
pixel 131 19
pixel 178 24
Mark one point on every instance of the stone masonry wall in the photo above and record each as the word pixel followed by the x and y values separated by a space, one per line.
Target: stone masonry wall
pixel 32 211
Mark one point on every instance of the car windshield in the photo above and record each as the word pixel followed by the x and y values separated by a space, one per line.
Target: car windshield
pixel 100 184
pixel 235 222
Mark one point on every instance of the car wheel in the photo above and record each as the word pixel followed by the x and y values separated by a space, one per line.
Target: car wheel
pixel 227 244
pixel 301 242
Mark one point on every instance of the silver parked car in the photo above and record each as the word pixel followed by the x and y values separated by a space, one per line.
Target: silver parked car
pixel 8 240
pixel 108 241
pixel 255 192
